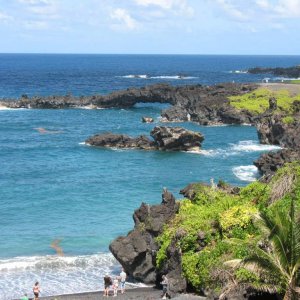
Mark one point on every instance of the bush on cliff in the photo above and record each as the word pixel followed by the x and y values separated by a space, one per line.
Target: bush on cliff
pixel 205 226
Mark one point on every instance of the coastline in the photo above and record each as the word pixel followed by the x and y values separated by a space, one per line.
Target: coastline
pixel 146 293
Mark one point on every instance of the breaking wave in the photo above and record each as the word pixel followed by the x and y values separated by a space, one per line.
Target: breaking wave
pixel 252 146
pixel 175 77
pixel 69 274
pixel 246 173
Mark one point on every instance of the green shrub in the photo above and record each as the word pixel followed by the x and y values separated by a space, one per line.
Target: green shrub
pixel 222 218
pixel 288 120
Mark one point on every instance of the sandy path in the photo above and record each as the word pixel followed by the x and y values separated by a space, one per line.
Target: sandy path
pixel 294 89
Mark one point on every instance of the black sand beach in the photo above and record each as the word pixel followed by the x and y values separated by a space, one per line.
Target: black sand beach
pixel 138 293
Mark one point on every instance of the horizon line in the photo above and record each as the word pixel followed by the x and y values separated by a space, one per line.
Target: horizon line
pixel 162 54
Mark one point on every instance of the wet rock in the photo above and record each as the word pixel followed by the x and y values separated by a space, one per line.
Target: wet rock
pixel 176 138
pixel 112 140
pixel 147 120
pixel 165 138
pixel 269 163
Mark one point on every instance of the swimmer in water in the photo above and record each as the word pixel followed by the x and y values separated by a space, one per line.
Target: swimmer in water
pixel 45 131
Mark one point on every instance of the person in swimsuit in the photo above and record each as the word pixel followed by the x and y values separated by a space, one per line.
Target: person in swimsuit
pixel 36 290
pixel 107 284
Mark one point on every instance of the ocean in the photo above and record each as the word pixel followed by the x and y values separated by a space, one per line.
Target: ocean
pixel 54 187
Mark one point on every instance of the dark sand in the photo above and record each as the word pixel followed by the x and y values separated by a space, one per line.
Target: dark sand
pixel 137 293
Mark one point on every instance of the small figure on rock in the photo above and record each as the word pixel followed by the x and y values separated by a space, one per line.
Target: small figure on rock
pixel 165 285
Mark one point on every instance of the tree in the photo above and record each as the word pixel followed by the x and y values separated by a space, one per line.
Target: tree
pixel 281 255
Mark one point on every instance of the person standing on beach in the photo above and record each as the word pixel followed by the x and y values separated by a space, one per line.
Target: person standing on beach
pixel 107 284
pixel 116 286
pixel 123 280
pixel 36 290
pixel 165 285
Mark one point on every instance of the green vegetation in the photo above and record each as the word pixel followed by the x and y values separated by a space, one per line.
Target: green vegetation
pixel 288 120
pixel 281 256
pixel 297 81
pixel 258 101
pixel 217 226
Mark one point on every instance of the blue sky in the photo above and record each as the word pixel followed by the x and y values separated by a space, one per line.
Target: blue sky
pixel 150 26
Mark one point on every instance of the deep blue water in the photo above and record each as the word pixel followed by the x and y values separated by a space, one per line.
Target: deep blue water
pixel 52 186
pixel 43 74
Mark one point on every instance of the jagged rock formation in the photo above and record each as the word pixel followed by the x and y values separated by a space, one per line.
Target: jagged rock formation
pixel 137 251
pixel 147 120
pixel 203 104
pixel 269 163
pixel 164 138
pixel 111 140
pixel 272 129
pixel 291 72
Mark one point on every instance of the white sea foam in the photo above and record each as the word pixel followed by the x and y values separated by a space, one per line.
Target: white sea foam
pixel 131 76
pixel 238 149
pixel 246 173
pixel 173 77
pixel 252 146
pixel 69 274
pixel 143 76
pixel 239 72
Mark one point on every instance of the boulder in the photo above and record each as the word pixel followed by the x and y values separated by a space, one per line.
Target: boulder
pixel 137 251
pixel 112 140
pixel 176 138
pixel 165 138
pixel 269 163
pixel 273 130
pixel 147 120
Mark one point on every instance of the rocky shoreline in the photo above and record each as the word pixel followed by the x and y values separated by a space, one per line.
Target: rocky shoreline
pixel 137 252
pixel 291 72
pixel 205 105
pixel 164 138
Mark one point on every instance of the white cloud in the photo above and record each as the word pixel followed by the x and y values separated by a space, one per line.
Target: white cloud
pixel 36 25
pixel 264 4
pixel 123 17
pixel 41 7
pixel 288 8
pixel 233 10
pixel 4 17
pixel 176 6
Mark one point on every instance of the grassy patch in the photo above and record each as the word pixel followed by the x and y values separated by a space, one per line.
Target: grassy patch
pixel 258 101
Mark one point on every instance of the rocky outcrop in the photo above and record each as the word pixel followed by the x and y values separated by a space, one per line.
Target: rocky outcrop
pixel 176 138
pixel 291 72
pixel 164 138
pixel 137 251
pixel 270 162
pixel 203 104
pixel 111 140
pixel 273 130
pixel 147 120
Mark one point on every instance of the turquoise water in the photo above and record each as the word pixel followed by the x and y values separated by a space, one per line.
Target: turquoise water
pixel 55 187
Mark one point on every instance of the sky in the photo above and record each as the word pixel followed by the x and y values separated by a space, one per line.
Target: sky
pixel 150 26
